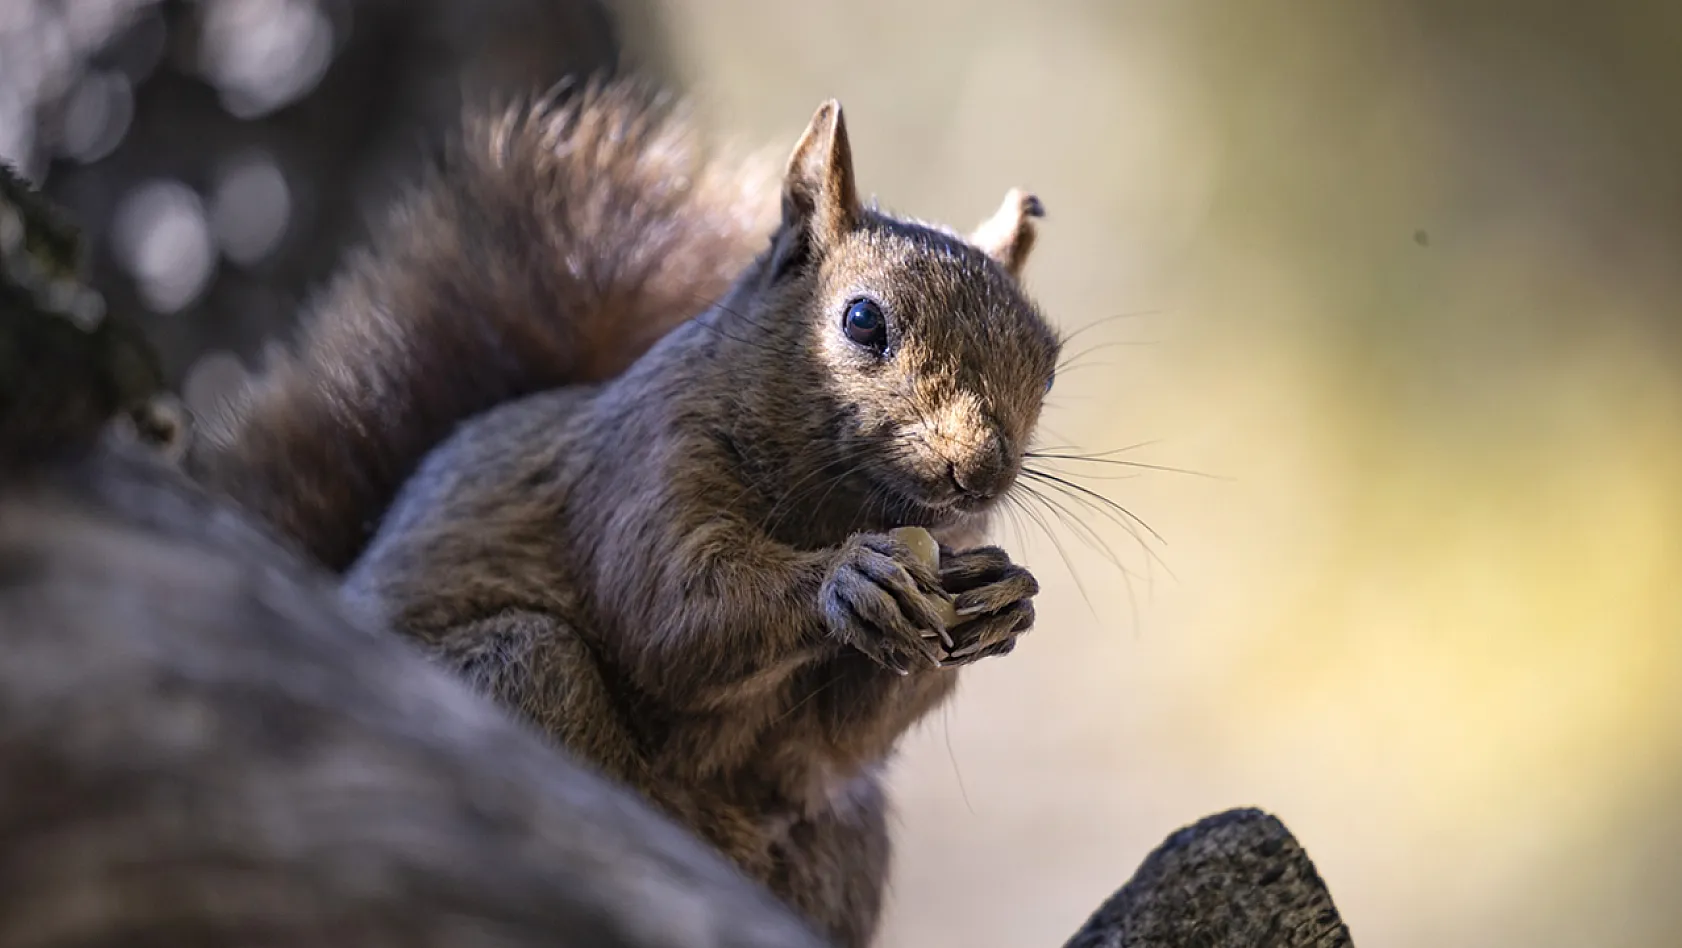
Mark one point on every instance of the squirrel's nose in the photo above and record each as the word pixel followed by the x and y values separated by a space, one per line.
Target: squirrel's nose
pixel 984 472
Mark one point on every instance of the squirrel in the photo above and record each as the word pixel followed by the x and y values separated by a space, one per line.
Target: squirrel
pixel 715 616
pixel 684 573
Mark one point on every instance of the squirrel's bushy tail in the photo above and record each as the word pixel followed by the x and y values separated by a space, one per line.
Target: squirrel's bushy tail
pixel 557 242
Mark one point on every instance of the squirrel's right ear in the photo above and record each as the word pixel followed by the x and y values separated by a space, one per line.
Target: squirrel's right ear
pixel 818 191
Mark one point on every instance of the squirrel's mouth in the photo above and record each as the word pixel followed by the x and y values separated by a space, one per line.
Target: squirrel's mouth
pixel 919 505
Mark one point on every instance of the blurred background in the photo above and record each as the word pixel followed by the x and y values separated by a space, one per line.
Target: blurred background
pixel 1397 280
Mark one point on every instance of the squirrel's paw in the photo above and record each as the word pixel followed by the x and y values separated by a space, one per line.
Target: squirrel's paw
pixel 881 599
pixel 994 599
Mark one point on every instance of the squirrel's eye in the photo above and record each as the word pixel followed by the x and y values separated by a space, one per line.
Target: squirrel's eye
pixel 1049 382
pixel 865 325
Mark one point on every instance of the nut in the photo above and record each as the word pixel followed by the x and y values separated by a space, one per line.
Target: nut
pixel 924 547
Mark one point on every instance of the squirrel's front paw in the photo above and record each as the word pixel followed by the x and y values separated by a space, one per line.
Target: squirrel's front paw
pixel 994 599
pixel 881 599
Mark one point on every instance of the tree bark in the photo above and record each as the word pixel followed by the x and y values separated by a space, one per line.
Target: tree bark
pixel 1238 879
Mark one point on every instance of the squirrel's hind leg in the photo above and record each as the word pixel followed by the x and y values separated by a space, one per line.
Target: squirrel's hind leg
pixel 833 867
pixel 538 667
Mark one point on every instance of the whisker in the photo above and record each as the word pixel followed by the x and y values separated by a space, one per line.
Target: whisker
pixel 1097 477
pixel 1134 314
pixel 1082 530
pixel 1141 465
pixel 1072 362
pixel 946 729
pixel 1109 509
pixel 793 499
pixel 1085 533
pixel 1062 553
pixel 1095 454
pixel 1092 495
pixel 810 695
pixel 707 318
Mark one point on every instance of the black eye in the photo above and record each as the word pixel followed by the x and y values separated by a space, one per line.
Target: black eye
pixel 1049 382
pixel 865 325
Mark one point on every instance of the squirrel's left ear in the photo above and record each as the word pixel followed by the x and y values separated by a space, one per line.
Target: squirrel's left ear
pixel 818 189
pixel 1008 235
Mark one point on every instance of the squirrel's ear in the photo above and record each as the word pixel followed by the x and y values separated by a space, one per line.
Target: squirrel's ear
pixel 818 190
pixel 1008 235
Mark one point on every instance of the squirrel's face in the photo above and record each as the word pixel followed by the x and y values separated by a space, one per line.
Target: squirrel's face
pixel 936 362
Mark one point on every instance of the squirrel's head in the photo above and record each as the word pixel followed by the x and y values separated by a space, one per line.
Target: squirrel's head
pixel 934 362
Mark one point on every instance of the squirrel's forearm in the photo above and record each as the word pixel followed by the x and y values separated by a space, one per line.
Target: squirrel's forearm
pixel 726 619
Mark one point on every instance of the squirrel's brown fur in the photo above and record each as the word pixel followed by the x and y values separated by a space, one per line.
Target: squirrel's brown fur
pixel 684 573
pixel 555 243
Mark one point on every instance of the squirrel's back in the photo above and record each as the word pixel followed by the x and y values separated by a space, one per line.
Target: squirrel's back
pixel 558 240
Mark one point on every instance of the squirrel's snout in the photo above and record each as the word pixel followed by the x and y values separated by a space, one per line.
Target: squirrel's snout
pixel 983 472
